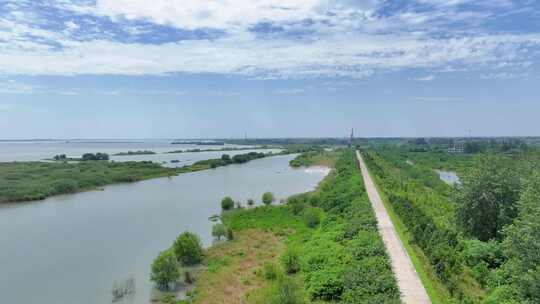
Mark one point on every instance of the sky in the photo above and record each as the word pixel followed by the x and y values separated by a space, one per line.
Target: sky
pixel 268 68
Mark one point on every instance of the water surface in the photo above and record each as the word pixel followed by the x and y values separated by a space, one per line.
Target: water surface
pixel 449 177
pixel 70 249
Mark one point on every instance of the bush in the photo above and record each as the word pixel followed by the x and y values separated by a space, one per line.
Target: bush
pixel 250 202
pixel 229 234
pixel 268 198
pixel 63 186
pixel 218 231
pixel 188 249
pixel 286 291
pixel 270 271
pixel 227 203
pixel 290 261
pixel 311 218
pixel 165 270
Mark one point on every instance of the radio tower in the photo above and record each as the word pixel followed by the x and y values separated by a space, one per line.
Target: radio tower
pixel 351 140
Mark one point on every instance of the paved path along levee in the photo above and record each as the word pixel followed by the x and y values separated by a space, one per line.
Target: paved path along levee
pixel 412 289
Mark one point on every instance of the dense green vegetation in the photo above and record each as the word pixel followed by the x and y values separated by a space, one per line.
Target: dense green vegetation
pixel 22 181
pixel 479 237
pixel 25 181
pixel 334 250
pixel 139 152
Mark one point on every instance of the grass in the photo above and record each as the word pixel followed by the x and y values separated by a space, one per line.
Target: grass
pixel 24 181
pixel 233 273
pixel 316 158
pixel 30 181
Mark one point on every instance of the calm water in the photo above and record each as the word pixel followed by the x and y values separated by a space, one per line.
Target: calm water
pixel 449 177
pixel 36 150
pixel 70 249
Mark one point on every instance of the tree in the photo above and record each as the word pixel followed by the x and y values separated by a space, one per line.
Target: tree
pixel 88 156
pixel 290 261
pixel 250 202
pixel 165 270
pixel 188 249
pixel 487 198
pixel 226 158
pixel 268 198
pixel 311 218
pixel 227 203
pixel 229 234
pixel 218 231
pixel 522 243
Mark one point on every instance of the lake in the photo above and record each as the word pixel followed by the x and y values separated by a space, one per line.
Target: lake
pixel 70 249
pixel 40 150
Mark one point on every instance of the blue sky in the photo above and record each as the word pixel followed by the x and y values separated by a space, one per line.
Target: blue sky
pixel 191 68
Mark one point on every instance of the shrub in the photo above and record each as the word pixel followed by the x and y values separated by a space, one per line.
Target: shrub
pixel 165 270
pixel 286 291
pixel 311 218
pixel 290 261
pixel 227 203
pixel 188 249
pixel 63 186
pixel 268 198
pixel 218 231
pixel 229 234
pixel 270 271
pixel 250 202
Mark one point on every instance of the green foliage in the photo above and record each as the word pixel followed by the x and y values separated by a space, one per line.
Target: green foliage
pixel 522 244
pixel 227 203
pixel 268 198
pixel 422 209
pixel 97 156
pixel 188 249
pixel 270 271
pixel 487 199
pixel 285 291
pixel 22 181
pixel 250 202
pixel 218 231
pixel 290 261
pixel 229 234
pixel 323 257
pixel 165 270
pixel 311 217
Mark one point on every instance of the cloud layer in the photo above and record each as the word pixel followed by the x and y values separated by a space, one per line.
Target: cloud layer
pixel 262 38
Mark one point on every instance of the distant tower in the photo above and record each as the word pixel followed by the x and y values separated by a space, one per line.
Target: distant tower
pixel 245 136
pixel 351 140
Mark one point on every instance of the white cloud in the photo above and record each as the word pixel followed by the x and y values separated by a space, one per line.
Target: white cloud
pixel 292 91
pixel 193 14
pixel 354 42
pixel 14 87
pixel 425 78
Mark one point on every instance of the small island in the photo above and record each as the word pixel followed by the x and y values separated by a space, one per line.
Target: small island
pixel 132 153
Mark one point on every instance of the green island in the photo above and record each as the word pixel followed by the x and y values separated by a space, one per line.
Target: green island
pixel 130 153
pixel 225 149
pixel 29 181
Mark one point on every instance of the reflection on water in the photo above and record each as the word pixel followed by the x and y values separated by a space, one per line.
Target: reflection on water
pixel 71 249
pixel 449 177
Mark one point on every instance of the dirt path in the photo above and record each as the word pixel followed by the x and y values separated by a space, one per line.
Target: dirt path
pixel 412 290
